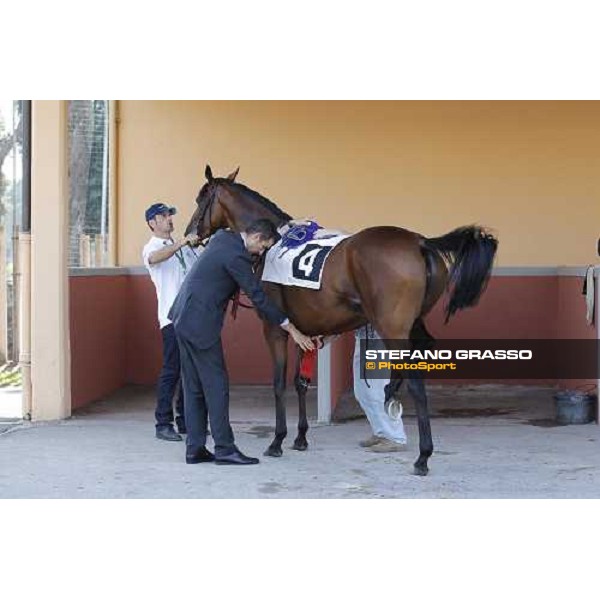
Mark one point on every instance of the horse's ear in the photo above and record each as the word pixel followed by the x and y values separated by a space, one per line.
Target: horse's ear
pixel 231 177
pixel 208 173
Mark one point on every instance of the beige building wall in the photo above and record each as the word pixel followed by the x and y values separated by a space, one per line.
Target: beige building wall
pixel 529 170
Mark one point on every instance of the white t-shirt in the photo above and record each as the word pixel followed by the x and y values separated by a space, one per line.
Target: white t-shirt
pixel 169 274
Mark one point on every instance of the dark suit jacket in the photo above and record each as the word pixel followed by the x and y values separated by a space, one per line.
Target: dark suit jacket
pixel 199 309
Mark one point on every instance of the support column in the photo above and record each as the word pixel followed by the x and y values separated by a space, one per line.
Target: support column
pixel 23 279
pixel 597 326
pixel 3 298
pixel 50 347
pixel 324 385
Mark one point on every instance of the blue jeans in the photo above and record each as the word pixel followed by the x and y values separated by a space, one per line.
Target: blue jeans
pixel 169 382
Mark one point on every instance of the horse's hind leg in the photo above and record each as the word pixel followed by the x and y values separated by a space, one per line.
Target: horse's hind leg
pixel 277 341
pixel 418 336
pixel 301 384
pixel 392 392
pixel 416 387
pixel 421 340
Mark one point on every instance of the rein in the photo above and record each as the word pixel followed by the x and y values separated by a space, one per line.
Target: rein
pixel 208 207
pixel 236 303
pixel 235 299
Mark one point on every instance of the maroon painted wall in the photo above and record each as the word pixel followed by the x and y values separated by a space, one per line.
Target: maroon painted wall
pixel 115 338
pixel 521 307
pixel 142 335
pixel 98 316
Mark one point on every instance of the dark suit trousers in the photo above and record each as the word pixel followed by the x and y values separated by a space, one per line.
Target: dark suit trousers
pixel 206 389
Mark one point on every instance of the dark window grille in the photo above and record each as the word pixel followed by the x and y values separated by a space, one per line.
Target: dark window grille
pixel 88 182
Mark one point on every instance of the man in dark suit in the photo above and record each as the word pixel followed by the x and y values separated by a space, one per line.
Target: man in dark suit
pixel 197 314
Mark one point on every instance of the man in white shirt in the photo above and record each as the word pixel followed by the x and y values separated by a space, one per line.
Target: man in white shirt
pixel 168 262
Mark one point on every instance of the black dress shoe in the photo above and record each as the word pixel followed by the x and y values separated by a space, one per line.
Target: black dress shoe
pixel 181 428
pixel 200 456
pixel 235 457
pixel 167 433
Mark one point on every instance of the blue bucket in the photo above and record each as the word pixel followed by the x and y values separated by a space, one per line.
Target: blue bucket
pixel 574 408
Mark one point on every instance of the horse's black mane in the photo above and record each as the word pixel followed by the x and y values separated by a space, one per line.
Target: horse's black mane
pixel 264 201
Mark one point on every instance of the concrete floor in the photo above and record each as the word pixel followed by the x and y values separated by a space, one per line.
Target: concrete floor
pixel 490 442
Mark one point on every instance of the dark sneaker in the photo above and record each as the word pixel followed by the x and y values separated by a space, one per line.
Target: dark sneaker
pixel 167 433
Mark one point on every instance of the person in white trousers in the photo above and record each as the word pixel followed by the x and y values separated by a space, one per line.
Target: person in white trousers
pixel 388 433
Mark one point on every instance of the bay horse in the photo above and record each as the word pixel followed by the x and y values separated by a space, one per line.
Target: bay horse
pixel 386 276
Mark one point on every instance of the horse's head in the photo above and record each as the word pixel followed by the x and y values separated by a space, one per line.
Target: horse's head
pixel 223 203
pixel 211 212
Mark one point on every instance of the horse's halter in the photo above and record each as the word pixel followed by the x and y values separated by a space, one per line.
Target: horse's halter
pixel 208 208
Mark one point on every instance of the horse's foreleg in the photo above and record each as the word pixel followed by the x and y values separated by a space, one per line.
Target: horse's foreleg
pixel 277 341
pixel 301 383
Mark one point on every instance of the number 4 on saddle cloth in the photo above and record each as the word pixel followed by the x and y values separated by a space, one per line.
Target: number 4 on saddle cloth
pixel 297 259
pixel 299 256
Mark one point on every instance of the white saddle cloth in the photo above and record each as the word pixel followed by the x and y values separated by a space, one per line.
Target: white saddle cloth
pixel 302 266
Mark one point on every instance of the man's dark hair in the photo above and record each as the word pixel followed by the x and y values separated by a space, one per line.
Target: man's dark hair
pixel 265 228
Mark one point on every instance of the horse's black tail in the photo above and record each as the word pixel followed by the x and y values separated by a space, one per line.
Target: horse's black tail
pixel 469 251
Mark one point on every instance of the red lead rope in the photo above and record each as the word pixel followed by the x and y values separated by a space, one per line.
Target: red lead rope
pixel 307 364
pixel 235 302
pixel 309 358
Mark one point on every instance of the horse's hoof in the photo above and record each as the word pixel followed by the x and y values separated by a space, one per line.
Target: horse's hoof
pixel 274 452
pixel 300 445
pixel 421 470
pixel 393 409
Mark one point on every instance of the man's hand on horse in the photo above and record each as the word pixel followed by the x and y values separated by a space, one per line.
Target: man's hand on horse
pixel 191 239
pixel 304 341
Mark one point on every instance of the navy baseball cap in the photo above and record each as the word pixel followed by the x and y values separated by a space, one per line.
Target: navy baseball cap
pixel 159 209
